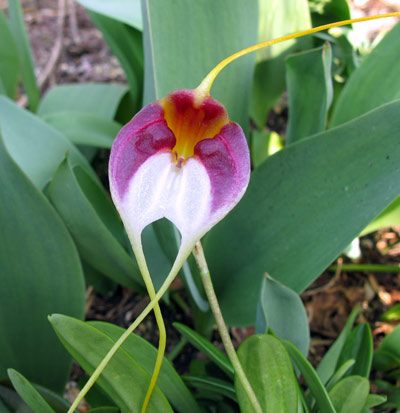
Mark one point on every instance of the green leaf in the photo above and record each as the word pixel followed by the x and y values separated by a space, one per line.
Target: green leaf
pixel 303 206
pixel 28 393
pixel 269 370
pixel 177 49
pixel 374 400
pixel 374 83
pixel 8 59
pixel 145 354
pixel 327 366
pixel 350 394
pixel 84 128
pixel 34 247
pixel 393 314
pixel 26 63
pixel 125 11
pixel 311 377
pixel 277 18
pixel 96 244
pixel 340 373
pixel 13 401
pixel 387 218
pixel 36 147
pixel 358 346
pixel 263 144
pixel 104 410
pixel 211 385
pixel 99 99
pixel 282 310
pixel 203 345
pixel 124 380
pixel 126 44
pixel 309 81
pixel 389 351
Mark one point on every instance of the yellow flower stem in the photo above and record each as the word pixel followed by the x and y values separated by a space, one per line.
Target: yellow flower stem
pixel 141 260
pixel 203 90
pixel 180 259
pixel 222 328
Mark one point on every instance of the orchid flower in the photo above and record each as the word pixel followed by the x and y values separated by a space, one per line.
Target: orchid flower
pixel 181 158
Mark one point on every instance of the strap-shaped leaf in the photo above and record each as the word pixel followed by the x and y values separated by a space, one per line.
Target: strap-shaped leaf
pixel 26 63
pixel 28 393
pixel 311 377
pixel 35 146
pixel 169 381
pixel 95 242
pixel 8 59
pixel 40 273
pixel 309 82
pixel 203 345
pixel 124 380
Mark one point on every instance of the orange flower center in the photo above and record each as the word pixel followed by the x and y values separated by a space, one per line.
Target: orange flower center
pixel 191 124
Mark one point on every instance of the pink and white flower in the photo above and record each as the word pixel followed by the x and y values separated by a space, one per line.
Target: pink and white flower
pixel 180 158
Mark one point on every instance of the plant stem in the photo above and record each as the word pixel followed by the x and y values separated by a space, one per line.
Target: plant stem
pixel 182 255
pixel 141 260
pixel 222 328
pixel 367 267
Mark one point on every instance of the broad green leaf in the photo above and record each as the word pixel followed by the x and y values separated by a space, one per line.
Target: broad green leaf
pixel 211 385
pixel 178 52
pixel 388 351
pixel 269 370
pixel 374 83
pixel 28 393
pixel 203 345
pixel 374 400
pixel 388 218
pixel 327 366
pixel 350 394
pixel 145 354
pixel 358 346
pixel 125 11
pixel 124 380
pixel 35 146
pixel 104 410
pixel 40 274
pixel 311 377
pixel 303 206
pixel 84 128
pixel 96 244
pixel 8 59
pixel 126 43
pixel 282 310
pixel 309 82
pixel 276 18
pixel 99 99
pixel 26 63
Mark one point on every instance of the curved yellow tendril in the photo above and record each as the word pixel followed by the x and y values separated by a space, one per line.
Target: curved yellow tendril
pixel 204 88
